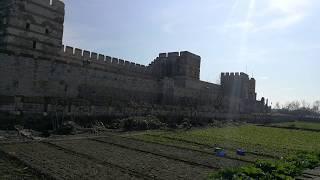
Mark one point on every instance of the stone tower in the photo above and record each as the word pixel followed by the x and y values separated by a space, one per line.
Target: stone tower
pixel 238 85
pixel 177 65
pixel 31 27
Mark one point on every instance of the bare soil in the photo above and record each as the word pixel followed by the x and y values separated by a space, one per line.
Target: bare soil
pixel 12 169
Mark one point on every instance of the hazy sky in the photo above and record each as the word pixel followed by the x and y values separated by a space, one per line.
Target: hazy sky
pixel 276 41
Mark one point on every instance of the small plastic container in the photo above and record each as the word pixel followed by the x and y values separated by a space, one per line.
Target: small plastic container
pixel 241 152
pixel 221 153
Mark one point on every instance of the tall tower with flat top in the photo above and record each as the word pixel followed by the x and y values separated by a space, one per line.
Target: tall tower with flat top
pixel 177 65
pixel 238 85
pixel 32 27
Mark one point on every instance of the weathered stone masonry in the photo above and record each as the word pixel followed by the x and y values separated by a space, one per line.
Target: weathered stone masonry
pixel 38 74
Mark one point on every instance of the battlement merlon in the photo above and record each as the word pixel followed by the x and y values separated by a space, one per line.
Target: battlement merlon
pixel 235 74
pixel 56 5
pixel 179 54
pixel 225 76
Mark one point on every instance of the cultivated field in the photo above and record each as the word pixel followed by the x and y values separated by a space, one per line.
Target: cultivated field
pixel 261 141
pixel 298 125
pixel 155 154
pixel 11 169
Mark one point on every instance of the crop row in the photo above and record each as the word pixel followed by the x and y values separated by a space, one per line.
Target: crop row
pixel 200 148
pixel 187 155
pixel 149 164
pixel 61 165
pixel 257 140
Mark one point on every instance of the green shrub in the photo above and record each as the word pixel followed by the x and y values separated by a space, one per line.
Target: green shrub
pixel 141 123
pixel 286 169
pixel 225 174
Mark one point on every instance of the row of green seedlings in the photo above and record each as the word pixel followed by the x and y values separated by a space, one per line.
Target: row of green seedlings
pixel 240 151
pixel 285 168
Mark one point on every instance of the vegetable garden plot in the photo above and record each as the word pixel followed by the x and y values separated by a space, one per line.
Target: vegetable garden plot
pixel 298 125
pixel 179 153
pixel 261 140
pixel 13 169
pixel 230 149
pixel 61 165
pixel 144 163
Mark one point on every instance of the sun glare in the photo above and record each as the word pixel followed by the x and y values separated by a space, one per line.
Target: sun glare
pixel 248 25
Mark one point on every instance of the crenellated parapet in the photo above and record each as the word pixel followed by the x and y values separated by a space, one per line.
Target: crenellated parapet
pixel 174 55
pixel 179 54
pixel 100 61
pixel 233 76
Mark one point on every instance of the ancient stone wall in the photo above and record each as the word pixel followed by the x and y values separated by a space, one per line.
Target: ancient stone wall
pixel 32 77
pixel 88 79
pixel 40 75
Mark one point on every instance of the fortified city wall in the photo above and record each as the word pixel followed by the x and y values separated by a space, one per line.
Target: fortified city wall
pixel 40 75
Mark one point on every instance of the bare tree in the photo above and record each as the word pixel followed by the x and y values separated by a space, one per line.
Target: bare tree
pixel 316 106
pixel 302 108
pixel 305 104
pixel 292 106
